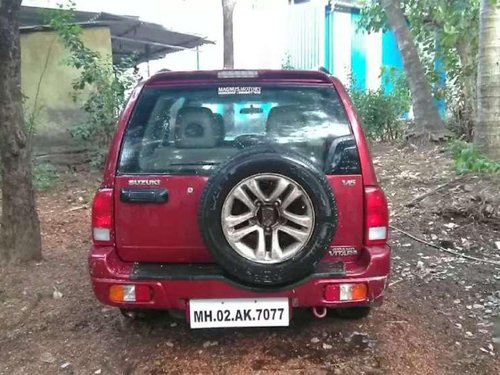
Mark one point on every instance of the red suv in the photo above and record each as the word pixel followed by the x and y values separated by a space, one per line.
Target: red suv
pixel 236 196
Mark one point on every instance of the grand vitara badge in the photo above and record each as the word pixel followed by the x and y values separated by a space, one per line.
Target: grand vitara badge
pixel 144 182
pixel 342 251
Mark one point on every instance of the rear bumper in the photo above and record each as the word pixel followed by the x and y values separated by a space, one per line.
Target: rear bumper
pixel 174 292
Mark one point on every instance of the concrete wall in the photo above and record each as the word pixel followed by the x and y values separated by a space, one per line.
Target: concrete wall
pixel 43 70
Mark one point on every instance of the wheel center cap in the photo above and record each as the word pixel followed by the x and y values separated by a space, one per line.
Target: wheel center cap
pixel 267 216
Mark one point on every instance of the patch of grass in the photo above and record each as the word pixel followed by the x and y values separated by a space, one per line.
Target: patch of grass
pixel 45 176
pixel 468 159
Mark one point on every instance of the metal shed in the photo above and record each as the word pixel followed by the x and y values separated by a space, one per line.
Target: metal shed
pixel 129 35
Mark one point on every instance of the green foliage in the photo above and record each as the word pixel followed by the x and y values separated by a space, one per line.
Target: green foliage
pixel 468 159
pixel 104 102
pixel 382 113
pixel 44 176
pixel 30 122
pixel 99 158
pixel 447 35
pixel 460 120
pixel 443 30
pixel 105 84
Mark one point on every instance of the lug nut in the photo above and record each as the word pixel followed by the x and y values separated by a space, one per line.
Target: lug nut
pixel 277 203
pixel 258 204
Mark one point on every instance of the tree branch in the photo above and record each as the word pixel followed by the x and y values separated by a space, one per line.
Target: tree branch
pixel 456 253
pixel 421 197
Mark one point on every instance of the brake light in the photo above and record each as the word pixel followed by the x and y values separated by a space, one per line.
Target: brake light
pixel 237 74
pixel 102 218
pixel 376 216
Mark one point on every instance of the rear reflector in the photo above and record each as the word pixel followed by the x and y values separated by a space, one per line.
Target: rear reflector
pixel 332 292
pixel 376 216
pixel 102 218
pixel 130 293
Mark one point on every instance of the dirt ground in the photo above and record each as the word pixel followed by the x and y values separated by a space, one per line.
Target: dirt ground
pixel 438 316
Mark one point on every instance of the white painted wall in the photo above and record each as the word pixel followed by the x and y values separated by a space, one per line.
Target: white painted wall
pixel 342 46
pixel 373 60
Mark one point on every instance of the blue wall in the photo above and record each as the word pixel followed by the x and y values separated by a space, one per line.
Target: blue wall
pixel 347 52
pixel 328 39
pixel 365 59
pixel 358 53
pixel 440 103
pixel 391 58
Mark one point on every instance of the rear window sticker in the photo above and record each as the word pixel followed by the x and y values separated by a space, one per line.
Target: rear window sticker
pixel 239 90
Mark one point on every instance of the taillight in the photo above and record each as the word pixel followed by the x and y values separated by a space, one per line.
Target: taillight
pixel 102 218
pixel 376 216
pixel 130 293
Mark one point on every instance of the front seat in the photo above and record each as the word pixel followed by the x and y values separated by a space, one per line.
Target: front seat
pixel 284 120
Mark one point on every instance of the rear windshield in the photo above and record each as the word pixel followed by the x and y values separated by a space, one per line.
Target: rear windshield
pixel 191 130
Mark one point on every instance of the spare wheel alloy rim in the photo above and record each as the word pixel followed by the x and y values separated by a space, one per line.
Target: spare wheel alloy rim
pixel 267 218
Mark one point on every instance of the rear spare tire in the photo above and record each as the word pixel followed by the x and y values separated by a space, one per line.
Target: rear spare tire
pixel 267 216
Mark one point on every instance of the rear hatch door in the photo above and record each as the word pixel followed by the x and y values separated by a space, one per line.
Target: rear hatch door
pixel 178 136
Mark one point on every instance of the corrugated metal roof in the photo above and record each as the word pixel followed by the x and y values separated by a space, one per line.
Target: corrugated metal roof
pixel 129 34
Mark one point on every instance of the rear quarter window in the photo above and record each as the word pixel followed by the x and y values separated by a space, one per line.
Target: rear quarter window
pixel 193 130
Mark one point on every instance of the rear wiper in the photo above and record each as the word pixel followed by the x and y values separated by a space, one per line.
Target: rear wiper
pixel 197 163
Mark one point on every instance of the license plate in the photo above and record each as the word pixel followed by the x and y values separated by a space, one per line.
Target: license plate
pixel 239 312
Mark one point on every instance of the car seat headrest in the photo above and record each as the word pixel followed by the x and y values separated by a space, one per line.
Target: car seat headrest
pixel 194 128
pixel 283 120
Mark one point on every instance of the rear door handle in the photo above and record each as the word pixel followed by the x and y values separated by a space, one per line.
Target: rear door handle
pixel 146 195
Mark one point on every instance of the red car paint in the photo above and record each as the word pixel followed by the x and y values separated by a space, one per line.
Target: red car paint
pixel 137 226
pixel 145 233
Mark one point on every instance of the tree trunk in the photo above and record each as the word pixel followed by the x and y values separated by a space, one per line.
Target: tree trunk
pixel 20 231
pixel 428 124
pixel 469 86
pixel 487 131
pixel 227 12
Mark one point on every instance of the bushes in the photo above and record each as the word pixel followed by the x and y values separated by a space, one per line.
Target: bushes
pixel 110 83
pixel 380 120
pixel 468 159
pixel 44 176
pixel 106 84
pixel 383 113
